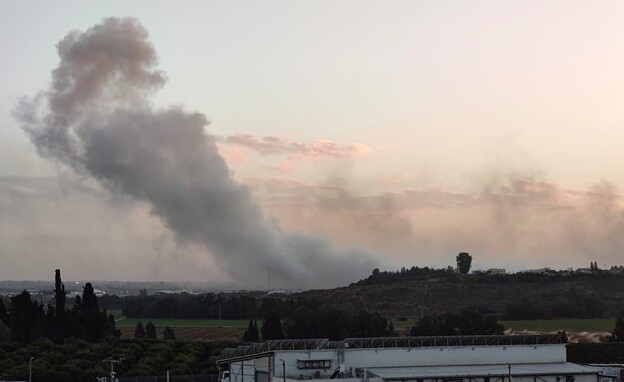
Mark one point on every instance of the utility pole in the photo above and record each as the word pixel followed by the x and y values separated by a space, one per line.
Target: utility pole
pixel 30 369
pixel 509 366
pixel 284 370
pixel 112 362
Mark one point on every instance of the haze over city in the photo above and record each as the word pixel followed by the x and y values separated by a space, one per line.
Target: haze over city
pixel 215 141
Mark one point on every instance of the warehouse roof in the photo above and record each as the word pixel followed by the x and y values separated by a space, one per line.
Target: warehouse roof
pixel 446 371
pixel 391 342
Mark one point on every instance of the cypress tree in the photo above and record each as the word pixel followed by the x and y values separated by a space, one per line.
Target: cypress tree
pixel 139 332
pixel 256 334
pixel 60 321
pixel 169 334
pixel 150 330
pixel 272 327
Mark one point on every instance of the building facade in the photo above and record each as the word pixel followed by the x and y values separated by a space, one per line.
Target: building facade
pixel 534 358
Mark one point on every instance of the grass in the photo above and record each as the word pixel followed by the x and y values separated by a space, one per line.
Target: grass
pixel 124 322
pixel 569 325
pixel 403 324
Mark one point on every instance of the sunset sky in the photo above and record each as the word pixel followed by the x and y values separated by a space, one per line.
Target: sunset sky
pixel 407 130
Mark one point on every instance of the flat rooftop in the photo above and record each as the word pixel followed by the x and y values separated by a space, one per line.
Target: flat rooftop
pixel 391 342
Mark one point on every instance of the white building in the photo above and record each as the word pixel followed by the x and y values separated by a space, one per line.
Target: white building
pixel 497 271
pixel 534 358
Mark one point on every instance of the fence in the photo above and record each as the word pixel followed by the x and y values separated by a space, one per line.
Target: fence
pixel 173 378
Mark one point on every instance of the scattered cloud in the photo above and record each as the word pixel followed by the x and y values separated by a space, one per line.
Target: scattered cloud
pixel 295 152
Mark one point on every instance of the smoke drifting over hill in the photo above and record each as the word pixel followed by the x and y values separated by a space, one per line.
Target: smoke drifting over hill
pixel 97 119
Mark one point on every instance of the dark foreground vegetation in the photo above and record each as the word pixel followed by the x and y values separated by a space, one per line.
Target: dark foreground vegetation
pixel 78 360
pixel 70 340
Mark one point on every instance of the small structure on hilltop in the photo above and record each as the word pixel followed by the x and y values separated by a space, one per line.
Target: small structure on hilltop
pixel 497 271
pixel 532 358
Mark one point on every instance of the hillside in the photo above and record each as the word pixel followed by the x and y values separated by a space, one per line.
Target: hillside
pixel 404 298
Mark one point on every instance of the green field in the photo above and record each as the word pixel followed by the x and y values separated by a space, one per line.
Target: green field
pixel 123 322
pixel 569 325
pixel 402 325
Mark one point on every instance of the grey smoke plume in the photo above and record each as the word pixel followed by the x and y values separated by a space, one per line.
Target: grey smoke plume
pixel 97 118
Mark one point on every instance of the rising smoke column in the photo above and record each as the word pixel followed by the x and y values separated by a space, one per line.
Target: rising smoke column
pixel 97 118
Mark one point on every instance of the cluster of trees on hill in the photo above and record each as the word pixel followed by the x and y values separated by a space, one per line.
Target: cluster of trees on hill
pixel 26 320
pixel 380 277
pixel 464 260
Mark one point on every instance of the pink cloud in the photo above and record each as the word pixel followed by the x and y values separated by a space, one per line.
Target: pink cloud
pixel 293 152
pixel 232 154
pixel 320 148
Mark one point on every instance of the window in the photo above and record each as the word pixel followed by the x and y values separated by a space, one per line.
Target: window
pixel 313 363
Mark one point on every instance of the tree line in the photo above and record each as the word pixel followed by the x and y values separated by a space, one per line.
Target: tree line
pixel 77 360
pixel 25 320
pixel 464 263
pixel 323 322
pixel 335 324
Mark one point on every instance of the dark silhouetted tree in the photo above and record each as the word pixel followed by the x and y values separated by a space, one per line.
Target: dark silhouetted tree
pixel 391 331
pixel 112 326
pixel 464 261
pixel 272 327
pixel 618 331
pixel 169 334
pixel 251 333
pixel 246 335
pixel 4 315
pixel 139 332
pixel 256 334
pixel 5 334
pixel 89 299
pixel 150 330
pixel 26 318
pixel 59 331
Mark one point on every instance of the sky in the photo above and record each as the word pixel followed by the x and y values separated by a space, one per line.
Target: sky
pixel 379 134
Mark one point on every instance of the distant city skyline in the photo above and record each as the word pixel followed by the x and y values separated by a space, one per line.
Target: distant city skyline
pixel 409 131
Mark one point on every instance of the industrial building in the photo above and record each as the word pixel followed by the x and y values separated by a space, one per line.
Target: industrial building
pixel 499 358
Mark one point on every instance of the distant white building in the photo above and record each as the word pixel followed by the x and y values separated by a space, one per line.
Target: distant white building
pixel 540 270
pixel 584 270
pixel 534 358
pixel 497 271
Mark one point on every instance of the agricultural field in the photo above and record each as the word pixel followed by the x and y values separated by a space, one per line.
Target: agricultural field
pixel 186 329
pixel 124 322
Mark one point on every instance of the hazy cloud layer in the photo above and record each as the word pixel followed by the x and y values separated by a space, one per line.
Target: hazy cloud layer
pixel 97 119
pixel 513 220
pixel 47 223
